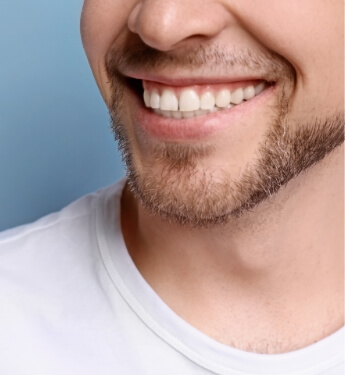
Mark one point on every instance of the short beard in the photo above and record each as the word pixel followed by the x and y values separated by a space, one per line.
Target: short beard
pixel 184 194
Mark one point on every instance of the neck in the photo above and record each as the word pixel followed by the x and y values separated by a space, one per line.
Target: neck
pixel 284 257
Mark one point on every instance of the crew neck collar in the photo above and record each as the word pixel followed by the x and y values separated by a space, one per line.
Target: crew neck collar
pixel 174 331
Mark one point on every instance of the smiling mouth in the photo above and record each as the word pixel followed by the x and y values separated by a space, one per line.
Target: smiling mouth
pixel 186 102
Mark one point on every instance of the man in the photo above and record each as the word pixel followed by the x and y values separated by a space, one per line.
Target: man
pixel 222 252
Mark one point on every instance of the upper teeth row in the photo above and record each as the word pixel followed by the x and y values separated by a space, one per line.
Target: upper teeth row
pixel 189 100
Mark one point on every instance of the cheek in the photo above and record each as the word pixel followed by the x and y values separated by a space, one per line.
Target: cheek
pixel 102 22
pixel 308 33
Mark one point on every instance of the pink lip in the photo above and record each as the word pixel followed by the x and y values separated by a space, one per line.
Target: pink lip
pixel 197 128
pixel 200 88
pixel 190 80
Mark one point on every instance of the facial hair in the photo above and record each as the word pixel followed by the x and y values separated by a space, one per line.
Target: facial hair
pixel 185 194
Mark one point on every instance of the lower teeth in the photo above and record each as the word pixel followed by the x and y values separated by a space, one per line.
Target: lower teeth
pixel 188 114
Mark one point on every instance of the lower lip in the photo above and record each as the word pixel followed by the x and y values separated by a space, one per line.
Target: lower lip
pixel 196 128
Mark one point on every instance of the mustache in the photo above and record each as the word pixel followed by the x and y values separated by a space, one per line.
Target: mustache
pixel 135 55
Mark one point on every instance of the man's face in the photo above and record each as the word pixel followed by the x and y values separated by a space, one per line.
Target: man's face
pixel 241 96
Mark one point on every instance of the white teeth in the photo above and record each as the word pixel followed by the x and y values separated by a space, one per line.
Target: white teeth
pixel 183 114
pixel 207 101
pixel 223 98
pixel 147 98
pixel 190 105
pixel 249 93
pixel 163 113
pixel 259 88
pixel 168 101
pixel 188 114
pixel 176 114
pixel 201 112
pixel 237 96
pixel 155 100
pixel 189 100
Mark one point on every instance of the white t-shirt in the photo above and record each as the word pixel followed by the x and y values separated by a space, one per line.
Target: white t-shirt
pixel 73 303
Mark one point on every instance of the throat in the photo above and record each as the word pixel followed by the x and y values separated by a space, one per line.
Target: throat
pixel 252 322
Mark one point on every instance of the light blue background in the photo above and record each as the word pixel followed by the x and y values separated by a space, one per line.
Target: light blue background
pixel 55 142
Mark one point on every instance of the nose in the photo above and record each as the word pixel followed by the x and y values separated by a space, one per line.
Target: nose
pixel 167 24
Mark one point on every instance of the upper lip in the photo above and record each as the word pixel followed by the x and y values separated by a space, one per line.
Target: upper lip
pixel 179 79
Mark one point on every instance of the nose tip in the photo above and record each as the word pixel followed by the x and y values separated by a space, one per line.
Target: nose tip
pixel 156 25
pixel 165 24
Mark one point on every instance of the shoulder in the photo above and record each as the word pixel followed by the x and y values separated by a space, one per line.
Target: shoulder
pixel 50 225
pixel 62 234
pixel 76 212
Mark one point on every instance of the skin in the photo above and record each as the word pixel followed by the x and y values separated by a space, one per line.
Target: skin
pixel 270 281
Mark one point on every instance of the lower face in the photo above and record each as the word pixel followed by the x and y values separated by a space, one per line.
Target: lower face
pixel 201 151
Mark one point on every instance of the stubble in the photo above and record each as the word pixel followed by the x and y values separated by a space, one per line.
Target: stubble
pixel 186 194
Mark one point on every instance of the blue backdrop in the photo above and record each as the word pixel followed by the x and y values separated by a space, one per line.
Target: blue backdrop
pixel 55 142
